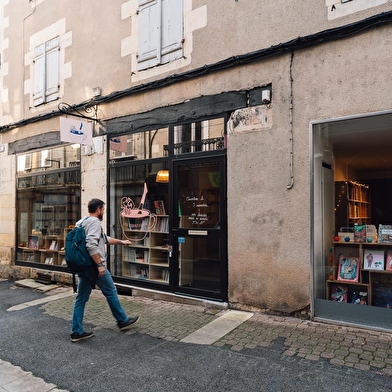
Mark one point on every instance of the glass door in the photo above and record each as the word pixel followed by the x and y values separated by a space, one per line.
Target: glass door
pixel 199 228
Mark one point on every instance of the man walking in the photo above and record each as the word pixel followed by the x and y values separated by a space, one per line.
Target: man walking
pixel 96 240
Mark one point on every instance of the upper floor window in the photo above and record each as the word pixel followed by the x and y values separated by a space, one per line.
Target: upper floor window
pixel 199 136
pixel 46 71
pixel 160 32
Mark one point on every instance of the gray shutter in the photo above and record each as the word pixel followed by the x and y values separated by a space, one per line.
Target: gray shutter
pixel 52 69
pixel 149 51
pixel 39 75
pixel 172 30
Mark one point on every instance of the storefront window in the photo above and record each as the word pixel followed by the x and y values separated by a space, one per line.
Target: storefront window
pixel 131 180
pixel 352 229
pixel 48 203
pixel 179 239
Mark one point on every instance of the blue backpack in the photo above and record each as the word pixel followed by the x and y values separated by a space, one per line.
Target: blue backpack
pixel 76 255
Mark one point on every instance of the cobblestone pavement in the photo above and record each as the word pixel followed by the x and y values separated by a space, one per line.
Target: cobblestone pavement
pixel 357 348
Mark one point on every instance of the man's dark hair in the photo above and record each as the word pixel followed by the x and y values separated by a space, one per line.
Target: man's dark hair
pixel 94 204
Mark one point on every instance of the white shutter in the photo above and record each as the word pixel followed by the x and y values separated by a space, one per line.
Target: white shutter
pixel 52 69
pixel 39 75
pixel 149 51
pixel 172 30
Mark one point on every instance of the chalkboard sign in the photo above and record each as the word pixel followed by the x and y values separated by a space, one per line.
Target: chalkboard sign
pixel 195 207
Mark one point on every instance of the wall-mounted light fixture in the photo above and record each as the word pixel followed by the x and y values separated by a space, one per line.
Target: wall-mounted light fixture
pixel 162 176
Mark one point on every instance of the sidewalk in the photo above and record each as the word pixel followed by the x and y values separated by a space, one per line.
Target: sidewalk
pixel 240 332
pixel 342 346
pixel 14 379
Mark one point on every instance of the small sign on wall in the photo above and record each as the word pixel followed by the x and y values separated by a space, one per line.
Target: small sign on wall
pixel 339 8
pixel 255 118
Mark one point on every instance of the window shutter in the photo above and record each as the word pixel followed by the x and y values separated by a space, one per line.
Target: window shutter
pixel 149 53
pixel 39 75
pixel 172 30
pixel 52 69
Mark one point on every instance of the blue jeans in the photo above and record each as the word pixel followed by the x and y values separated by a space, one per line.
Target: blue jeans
pixel 105 283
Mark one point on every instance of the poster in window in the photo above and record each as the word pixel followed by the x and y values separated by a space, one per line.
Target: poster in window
pixel 348 270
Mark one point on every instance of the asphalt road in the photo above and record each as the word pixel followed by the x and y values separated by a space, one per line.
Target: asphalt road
pixel 114 361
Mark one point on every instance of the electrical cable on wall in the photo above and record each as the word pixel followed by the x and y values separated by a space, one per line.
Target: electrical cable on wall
pixel 289 186
pixel 333 34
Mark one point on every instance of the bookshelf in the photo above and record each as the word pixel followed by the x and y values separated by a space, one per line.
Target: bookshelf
pixel 352 204
pixel 375 282
pixel 47 250
pixel 148 258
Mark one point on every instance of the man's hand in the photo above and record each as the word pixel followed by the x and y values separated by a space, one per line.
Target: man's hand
pixel 101 270
pixel 126 242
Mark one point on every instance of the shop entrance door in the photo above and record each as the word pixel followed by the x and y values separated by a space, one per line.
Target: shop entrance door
pixel 199 228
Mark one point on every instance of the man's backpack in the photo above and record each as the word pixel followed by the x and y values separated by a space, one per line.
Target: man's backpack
pixel 76 255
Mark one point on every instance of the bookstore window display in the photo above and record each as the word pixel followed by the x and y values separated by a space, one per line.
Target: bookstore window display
pixel 352 219
pixel 48 193
pixel 148 257
pixel 360 270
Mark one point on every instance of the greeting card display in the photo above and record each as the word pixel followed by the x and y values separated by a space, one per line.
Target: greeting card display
pixel 348 270
pixel 373 259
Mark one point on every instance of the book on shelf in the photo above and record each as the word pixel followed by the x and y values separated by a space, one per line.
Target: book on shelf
pixel 33 242
pixel 130 254
pixel 165 275
pixel 134 224
pixel 144 273
pixel 359 298
pixel 162 225
pixel 132 270
pixel 373 259
pixel 359 233
pixel 339 293
pixel 159 207
pixel 52 245
pixel 382 294
pixel 29 257
pixel 388 263
pixel 348 270
pixel 141 256
pixel 385 234
pixel 145 224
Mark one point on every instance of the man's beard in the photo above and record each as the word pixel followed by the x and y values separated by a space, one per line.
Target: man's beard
pixel 100 217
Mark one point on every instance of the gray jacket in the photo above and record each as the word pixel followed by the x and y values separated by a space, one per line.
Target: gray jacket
pixel 96 239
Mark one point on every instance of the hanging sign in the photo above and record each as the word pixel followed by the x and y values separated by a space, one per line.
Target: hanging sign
pixel 76 131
